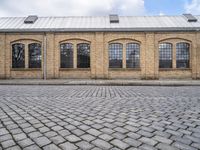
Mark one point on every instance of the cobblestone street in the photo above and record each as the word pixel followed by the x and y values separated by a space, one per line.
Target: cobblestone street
pixel 99 117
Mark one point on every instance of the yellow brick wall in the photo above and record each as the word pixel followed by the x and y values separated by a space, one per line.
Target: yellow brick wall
pixel 2 55
pixel 99 42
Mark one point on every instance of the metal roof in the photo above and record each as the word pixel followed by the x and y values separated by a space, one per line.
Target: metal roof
pixel 101 23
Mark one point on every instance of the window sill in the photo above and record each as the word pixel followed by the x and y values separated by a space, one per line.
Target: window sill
pixel 74 69
pixel 124 69
pixel 175 69
pixel 26 69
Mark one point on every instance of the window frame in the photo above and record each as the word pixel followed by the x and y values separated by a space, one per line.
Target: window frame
pixel 165 55
pixel 80 64
pixel 23 54
pixel 116 55
pixel 71 61
pixel 37 65
pixel 187 54
pixel 136 49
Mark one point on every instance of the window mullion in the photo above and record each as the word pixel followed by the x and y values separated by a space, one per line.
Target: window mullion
pixel 75 55
pixel 26 51
pixel 124 56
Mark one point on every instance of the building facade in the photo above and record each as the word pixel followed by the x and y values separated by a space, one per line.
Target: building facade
pixel 100 47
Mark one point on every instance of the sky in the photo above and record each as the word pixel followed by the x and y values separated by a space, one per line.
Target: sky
pixel 97 7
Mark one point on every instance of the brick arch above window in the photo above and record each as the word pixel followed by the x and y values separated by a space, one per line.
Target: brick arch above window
pixel 26 41
pixel 75 40
pixel 124 40
pixel 173 40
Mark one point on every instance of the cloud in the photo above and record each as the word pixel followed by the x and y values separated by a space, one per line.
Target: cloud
pixel 193 7
pixel 71 7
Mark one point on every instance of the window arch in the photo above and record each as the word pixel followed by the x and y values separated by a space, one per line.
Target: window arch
pixel 66 55
pixel 182 55
pixel 165 55
pixel 115 55
pixel 35 57
pixel 132 55
pixel 83 55
pixel 18 56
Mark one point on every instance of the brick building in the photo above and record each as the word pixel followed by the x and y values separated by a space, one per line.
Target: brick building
pixel 109 47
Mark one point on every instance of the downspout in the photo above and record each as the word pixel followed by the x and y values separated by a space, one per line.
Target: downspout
pixel 45 57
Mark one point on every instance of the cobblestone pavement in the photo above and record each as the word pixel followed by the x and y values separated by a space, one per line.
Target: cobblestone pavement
pixel 99 117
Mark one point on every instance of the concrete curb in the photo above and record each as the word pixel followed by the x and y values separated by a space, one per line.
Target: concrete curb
pixel 103 82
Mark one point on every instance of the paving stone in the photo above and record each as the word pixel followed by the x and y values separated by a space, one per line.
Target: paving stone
pixel 147 147
pixel 73 138
pixel 134 135
pixel 162 139
pixel 148 141
pixel 34 135
pixel 119 144
pixel 106 137
pixel 50 134
pixel 5 137
pixel 42 141
pixel 57 128
pixel 102 144
pixel 26 142
pixel 32 147
pixel 94 132
pixel 164 146
pixel 57 139
pixel 132 142
pixel 88 137
pixel 51 147
pixel 8 143
pixel 68 146
pixel 183 146
pixel 84 145
pixel 145 133
pixel 14 148
pixel 181 139
pixel 20 136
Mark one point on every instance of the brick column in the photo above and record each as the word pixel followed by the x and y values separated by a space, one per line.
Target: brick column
pixel 99 55
pixel 50 51
pixel 150 56
pixel 2 55
pixel 198 55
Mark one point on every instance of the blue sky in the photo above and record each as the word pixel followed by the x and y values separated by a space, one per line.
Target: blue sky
pixel 97 7
pixel 167 7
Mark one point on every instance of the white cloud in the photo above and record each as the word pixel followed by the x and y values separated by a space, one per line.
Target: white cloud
pixel 71 7
pixel 193 7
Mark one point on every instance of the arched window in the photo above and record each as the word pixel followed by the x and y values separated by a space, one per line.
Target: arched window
pixel 182 55
pixel 83 55
pixel 132 55
pixel 165 55
pixel 18 57
pixel 115 55
pixel 35 56
pixel 66 55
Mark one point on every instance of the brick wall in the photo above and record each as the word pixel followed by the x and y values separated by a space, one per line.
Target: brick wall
pixel 99 41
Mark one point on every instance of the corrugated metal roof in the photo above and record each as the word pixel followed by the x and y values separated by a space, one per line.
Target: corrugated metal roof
pixel 102 23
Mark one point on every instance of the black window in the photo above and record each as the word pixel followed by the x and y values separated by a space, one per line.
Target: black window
pixel 115 55
pixel 66 55
pixel 165 55
pixel 35 56
pixel 132 55
pixel 83 55
pixel 182 55
pixel 18 57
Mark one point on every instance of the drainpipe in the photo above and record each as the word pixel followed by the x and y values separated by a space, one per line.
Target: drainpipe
pixel 45 57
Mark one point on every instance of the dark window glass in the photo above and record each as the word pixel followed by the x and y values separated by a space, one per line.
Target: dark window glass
pixel 182 55
pixel 115 55
pixel 132 55
pixel 66 55
pixel 165 55
pixel 18 57
pixel 83 55
pixel 35 56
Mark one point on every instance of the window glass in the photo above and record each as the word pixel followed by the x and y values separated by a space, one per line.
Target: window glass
pixel 66 55
pixel 18 57
pixel 83 55
pixel 165 55
pixel 182 55
pixel 35 56
pixel 132 55
pixel 115 55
